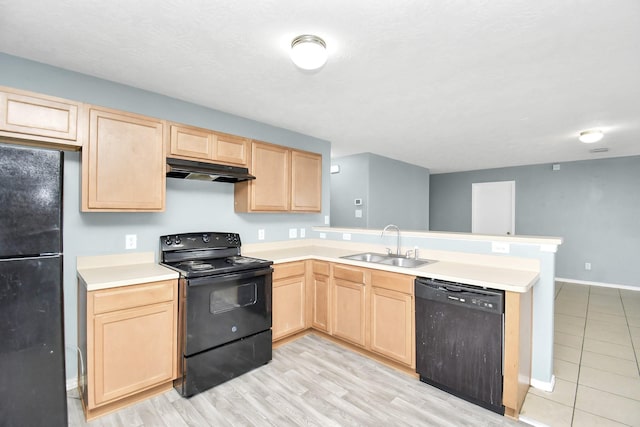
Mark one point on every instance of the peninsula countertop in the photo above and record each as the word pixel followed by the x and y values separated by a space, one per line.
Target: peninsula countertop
pixel 495 277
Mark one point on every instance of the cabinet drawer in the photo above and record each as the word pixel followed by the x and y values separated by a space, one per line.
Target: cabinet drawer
pixel 347 273
pixel 132 296
pixel 321 268
pixel 291 269
pixel 392 281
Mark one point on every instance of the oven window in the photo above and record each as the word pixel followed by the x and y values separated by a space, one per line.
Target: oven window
pixel 223 300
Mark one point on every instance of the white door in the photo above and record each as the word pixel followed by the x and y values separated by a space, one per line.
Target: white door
pixel 493 207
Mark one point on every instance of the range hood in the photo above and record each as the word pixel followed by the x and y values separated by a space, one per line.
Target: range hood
pixel 188 169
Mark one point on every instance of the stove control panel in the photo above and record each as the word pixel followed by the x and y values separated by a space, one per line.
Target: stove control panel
pixel 208 240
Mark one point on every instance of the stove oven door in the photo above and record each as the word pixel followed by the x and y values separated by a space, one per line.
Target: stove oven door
pixel 222 309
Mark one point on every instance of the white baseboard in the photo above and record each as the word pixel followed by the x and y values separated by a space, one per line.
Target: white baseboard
pixel 544 386
pixel 72 384
pixel 604 285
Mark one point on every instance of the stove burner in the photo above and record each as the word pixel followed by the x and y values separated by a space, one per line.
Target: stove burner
pixel 196 265
pixel 240 260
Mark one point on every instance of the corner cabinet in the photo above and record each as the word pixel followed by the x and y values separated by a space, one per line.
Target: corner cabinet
pixel 320 290
pixel 204 145
pixel 129 338
pixel 35 119
pixel 123 162
pixel 286 181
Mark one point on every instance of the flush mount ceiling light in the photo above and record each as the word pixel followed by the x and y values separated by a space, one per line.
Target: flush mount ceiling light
pixel 308 52
pixel 590 136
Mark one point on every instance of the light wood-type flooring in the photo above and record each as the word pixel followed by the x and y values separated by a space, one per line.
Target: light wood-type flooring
pixel 309 382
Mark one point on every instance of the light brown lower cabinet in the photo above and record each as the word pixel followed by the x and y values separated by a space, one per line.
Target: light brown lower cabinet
pixel 128 338
pixel 289 299
pixel 321 296
pixel 349 304
pixel 375 310
pixel 392 316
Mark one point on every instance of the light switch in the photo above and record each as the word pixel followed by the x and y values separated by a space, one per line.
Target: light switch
pixel 358 213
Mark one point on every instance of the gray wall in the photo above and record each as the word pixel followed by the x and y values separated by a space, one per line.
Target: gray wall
pixel 392 192
pixel 190 205
pixel 594 205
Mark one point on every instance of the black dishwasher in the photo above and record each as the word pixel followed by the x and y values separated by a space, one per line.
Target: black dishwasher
pixel 459 340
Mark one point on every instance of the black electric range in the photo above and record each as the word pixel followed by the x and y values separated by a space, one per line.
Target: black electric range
pixel 224 308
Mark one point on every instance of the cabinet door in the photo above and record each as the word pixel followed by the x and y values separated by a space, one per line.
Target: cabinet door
pixel 391 324
pixel 321 302
pixel 349 311
pixel 306 181
pixel 37 116
pixel 134 350
pixel 270 165
pixel 123 163
pixel 288 314
pixel 191 142
pixel 231 149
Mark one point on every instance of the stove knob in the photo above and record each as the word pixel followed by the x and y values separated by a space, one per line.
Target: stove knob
pixel 178 241
pixel 206 238
pixel 167 241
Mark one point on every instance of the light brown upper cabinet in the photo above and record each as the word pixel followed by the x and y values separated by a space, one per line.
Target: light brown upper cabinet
pixel 286 180
pixel 231 149
pixel 123 162
pixel 269 192
pixel 39 119
pixel 306 181
pixel 204 145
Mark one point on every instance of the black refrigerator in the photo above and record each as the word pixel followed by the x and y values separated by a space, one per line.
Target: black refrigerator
pixel 32 366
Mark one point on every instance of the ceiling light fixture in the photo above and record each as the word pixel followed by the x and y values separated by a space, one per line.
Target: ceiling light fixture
pixel 590 136
pixel 308 52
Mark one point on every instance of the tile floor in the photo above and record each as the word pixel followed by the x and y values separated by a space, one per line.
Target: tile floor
pixel 596 360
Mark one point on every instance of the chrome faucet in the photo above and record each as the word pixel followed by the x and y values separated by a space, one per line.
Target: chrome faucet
pixel 393 226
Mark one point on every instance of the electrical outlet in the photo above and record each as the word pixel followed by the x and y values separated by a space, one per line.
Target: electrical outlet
pixel 587 266
pixel 358 213
pixel 323 235
pixel 500 247
pixel 130 241
pixel 261 234
pixel 303 232
pixel 346 236
pixel 293 233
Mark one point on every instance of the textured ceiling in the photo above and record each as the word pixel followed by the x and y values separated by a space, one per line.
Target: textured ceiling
pixel 447 84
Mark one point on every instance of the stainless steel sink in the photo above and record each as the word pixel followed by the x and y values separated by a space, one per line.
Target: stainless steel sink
pixel 367 257
pixel 387 260
pixel 404 262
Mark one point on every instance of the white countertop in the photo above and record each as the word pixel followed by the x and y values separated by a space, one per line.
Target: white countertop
pixel 110 271
pixel 508 279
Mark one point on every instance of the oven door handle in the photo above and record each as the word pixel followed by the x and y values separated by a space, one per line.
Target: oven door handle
pixel 212 280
